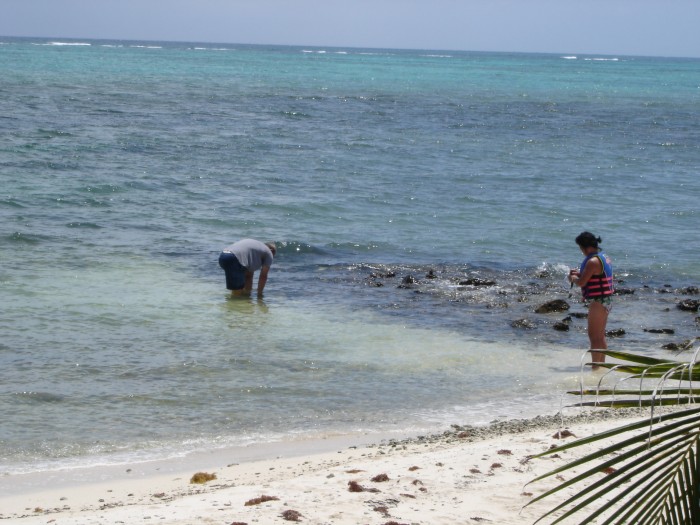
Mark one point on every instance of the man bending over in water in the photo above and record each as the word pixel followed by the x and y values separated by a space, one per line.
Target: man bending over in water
pixel 241 260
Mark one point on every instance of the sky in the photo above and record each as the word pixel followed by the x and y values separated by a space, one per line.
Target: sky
pixel 606 27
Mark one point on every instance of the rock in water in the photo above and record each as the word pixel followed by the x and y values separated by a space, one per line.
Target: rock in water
pixel 558 305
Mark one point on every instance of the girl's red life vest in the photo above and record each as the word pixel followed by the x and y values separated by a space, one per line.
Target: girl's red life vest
pixel 600 285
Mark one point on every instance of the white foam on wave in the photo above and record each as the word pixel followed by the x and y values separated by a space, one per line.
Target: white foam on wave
pixel 64 44
pixel 602 59
pixel 437 56
pixel 211 49
pixel 147 47
pixel 572 57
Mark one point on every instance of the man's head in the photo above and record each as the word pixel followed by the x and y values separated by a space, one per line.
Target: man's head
pixel 272 247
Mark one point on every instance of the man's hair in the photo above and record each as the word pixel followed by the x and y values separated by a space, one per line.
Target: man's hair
pixel 272 247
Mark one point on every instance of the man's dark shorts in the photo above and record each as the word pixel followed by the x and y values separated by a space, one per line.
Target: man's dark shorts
pixel 235 273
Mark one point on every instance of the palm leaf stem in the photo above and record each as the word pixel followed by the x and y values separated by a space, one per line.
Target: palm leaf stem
pixel 636 358
pixel 637 403
pixel 609 392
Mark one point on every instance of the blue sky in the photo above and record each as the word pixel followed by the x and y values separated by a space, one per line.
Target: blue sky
pixel 610 27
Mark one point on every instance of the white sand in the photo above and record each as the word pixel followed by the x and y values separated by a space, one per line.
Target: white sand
pixel 455 478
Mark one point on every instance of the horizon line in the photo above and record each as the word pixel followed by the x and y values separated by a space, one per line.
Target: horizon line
pixel 335 46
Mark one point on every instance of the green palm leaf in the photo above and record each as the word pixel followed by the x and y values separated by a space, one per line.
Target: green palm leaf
pixel 652 467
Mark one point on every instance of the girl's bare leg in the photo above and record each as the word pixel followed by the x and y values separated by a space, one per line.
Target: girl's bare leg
pixel 597 321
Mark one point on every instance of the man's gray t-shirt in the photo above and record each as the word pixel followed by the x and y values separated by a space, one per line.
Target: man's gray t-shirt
pixel 252 254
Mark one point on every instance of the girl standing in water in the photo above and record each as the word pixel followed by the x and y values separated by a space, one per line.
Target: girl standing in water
pixel 595 277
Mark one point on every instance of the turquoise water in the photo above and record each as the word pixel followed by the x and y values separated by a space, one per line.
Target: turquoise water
pixel 125 167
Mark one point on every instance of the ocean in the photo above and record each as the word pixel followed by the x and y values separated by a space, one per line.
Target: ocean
pixel 423 203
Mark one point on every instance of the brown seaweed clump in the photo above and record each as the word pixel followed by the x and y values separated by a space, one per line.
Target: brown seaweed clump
pixel 291 515
pixel 202 477
pixel 380 478
pixel 384 511
pixel 261 499
pixel 354 486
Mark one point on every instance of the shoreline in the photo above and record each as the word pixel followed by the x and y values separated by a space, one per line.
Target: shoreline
pixel 464 474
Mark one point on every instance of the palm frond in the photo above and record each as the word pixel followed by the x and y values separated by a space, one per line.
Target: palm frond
pixel 646 472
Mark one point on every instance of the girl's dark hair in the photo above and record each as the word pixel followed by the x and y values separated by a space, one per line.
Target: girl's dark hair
pixel 588 240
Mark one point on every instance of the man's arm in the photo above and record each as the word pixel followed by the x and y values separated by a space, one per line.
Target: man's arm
pixel 262 279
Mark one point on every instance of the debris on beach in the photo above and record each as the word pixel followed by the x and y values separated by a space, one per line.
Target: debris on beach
pixel 382 510
pixel 561 434
pixel 354 486
pixel 291 515
pixel 261 499
pixel 202 477
pixel 380 478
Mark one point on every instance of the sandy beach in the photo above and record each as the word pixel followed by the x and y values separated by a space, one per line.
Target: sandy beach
pixel 464 475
